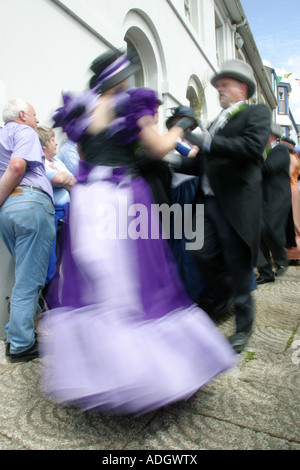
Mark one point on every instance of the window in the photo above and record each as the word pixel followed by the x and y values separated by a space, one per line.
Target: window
pixel 219 32
pixel 143 40
pixel 286 131
pixel 187 9
pixel 282 100
pixel 191 12
pixel 196 96
pixel 138 78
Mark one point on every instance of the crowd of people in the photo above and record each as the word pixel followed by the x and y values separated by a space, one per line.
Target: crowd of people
pixel 127 331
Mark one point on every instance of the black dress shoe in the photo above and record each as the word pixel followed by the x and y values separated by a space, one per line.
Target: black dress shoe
pixel 263 280
pixel 26 356
pixel 222 307
pixel 239 340
pixel 280 270
pixel 7 349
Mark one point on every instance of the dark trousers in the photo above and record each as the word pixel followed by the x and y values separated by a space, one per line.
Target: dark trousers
pixel 61 212
pixel 225 262
pixel 270 245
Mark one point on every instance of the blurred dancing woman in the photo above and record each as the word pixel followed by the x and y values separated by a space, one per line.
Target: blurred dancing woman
pixel 126 338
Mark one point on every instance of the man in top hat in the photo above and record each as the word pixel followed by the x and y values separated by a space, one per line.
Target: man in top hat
pixel 277 203
pixel 229 165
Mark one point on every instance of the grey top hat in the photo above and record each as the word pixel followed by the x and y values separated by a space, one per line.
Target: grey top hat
pixel 239 70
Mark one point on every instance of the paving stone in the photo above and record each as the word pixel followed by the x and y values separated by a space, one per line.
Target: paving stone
pixel 254 406
pixel 186 431
pixel 276 314
pixel 38 423
pixel 271 369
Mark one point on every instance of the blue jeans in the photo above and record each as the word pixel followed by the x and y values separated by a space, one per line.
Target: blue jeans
pixel 27 229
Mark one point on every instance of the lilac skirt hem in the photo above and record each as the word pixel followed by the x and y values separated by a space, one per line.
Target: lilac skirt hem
pixel 107 361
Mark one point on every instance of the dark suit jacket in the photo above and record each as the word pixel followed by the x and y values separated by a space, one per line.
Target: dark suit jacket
pixel 234 169
pixel 277 198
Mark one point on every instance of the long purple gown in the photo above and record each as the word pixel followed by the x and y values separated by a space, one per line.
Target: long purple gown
pixel 125 337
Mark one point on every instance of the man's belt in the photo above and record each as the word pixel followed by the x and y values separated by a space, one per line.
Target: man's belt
pixel 19 190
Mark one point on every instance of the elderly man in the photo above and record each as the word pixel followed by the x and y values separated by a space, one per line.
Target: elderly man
pixel 26 222
pixel 229 164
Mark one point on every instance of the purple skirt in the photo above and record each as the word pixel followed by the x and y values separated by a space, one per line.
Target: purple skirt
pixel 124 337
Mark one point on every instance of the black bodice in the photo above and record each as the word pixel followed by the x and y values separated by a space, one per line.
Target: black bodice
pixel 100 150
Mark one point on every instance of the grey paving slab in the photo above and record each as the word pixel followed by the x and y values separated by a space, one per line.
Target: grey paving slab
pixel 269 339
pixel 186 431
pixel 271 369
pixel 255 406
pixel 276 314
pixel 34 422
pixel 252 405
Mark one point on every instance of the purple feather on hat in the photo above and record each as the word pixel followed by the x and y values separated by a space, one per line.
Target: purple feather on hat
pixel 74 117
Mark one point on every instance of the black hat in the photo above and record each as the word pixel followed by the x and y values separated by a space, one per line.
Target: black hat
pixel 181 111
pixel 111 68
pixel 287 140
pixel 289 143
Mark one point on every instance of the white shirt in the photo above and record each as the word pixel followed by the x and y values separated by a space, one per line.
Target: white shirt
pixel 61 195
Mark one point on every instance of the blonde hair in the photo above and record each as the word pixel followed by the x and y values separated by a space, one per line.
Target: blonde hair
pixel 45 135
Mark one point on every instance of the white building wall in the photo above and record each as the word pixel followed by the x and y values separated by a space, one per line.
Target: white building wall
pixel 45 50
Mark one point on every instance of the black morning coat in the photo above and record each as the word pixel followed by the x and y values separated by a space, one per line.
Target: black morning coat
pixel 234 169
pixel 277 195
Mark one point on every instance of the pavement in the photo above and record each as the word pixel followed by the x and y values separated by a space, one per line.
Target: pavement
pixel 254 406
